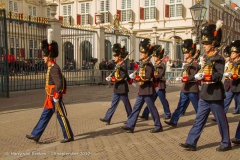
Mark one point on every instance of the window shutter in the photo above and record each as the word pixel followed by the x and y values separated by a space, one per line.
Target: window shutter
pixel 166 11
pixel 60 18
pixel 95 20
pixel 39 53
pixel 141 13
pixel 22 52
pixel 119 13
pixel 78 19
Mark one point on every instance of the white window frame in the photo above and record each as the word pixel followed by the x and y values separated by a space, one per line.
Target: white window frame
pixel 48 15
pixel 150 9
pixel 173 6
pixel 13 6
pixel 85 13
pixel 67 14
pixel 33 45
pixel 31 11
pixel 104 10
pixel 126 10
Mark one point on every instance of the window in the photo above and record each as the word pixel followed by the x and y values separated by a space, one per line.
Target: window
pixel 150 9
pixel 126 12
pixel 48 12
pixel 13 6
pixel 104 10
pixel 175 8
pixel 33 51
pixel 32 11
pixel 14 46
pixel 85 10
pixel 67 13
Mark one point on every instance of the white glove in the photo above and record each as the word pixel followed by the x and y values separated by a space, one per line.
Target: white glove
pixel 199 76
pixel 134 85
pixel 108 79
pixel 198 46
pixel 132 76
pixel 179 79
pixel 156 89
pixel 55 100
pixel 227 74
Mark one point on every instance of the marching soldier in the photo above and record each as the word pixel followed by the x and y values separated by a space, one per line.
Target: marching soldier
pixel 212 92
pixel 234 74
pixel 228 82
pixel 120 89
pixel 146 89
pixel 159 83
pixel 189 91
pixel 55 88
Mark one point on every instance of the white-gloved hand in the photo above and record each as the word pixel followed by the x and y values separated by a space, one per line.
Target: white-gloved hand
pixel 108 79
pixel 55 100
pixel 198 46
pixel 199 76
pixel 156 89
pixel 227 74
pixel 132 76
pixel 134 85
pixel 179 79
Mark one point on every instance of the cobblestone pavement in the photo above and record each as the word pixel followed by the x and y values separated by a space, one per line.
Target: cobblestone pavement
pixel 97 141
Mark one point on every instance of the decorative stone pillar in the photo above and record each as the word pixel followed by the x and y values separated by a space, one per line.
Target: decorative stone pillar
pixel 56 26
pixel 99 50
pixel 132 41
pixel 173 48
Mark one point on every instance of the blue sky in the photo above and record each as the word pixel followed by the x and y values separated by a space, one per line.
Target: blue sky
pixel 237 2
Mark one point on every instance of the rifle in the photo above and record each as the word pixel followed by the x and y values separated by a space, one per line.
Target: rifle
pixel 143 63
pixel 189 64
pixel 119 65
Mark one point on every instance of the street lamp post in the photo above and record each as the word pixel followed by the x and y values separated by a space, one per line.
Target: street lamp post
pixel 198 12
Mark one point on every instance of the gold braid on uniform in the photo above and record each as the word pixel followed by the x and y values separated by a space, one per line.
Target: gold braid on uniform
pixel 117 74
pixel 229 69
pixel 142 74
pixel 47 79
pixel 234 70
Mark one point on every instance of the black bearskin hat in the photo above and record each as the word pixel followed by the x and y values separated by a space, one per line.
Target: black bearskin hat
pixel 51 50
pixel 116 49
pixel 188 46
pixel 212 34
pixel 235 46
pixel 226 52
pixel 145 46
pixel 158 51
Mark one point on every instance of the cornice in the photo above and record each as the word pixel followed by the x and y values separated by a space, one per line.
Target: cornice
pixel 34 2
pixel 66 1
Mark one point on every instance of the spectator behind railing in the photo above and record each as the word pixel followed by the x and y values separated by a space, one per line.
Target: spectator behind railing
pixel 103 68
pixel 169 65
